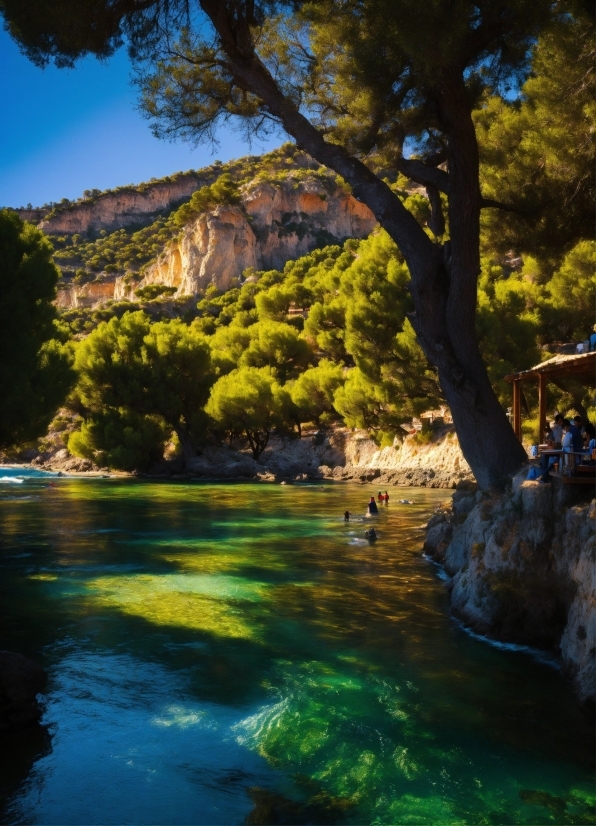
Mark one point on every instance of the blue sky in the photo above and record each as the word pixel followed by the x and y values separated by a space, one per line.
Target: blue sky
pixel 67 130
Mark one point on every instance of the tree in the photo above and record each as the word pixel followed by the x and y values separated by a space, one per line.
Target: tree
pixel 420 70
pixel 35 363
pixel 279 347
pixel 129 365
pixel 249 402
pixel 572 293
pixel 120 439
pixel 312 393
pixel 537 153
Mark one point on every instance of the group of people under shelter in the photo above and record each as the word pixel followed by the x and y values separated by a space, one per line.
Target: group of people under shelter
pixel 573 436
pixel 589 345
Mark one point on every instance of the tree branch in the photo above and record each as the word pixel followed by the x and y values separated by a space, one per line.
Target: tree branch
pixel 250 72
pixel 423 174
pixel 490 203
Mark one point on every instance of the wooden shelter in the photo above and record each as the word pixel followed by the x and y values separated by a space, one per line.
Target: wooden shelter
pixel 580 367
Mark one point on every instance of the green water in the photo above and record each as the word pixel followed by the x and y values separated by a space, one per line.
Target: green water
pixel 223 654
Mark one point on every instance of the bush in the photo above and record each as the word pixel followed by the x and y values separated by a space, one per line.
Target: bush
pixel 153 291
pixel 121 440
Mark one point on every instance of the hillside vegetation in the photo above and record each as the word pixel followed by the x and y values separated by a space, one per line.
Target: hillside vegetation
pixel 128 251
pixel 329 337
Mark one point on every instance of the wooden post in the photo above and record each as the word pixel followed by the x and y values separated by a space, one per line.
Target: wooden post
pixel 541 406
pixel 517 409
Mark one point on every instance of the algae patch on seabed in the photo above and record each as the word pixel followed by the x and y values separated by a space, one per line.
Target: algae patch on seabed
pixel 212 604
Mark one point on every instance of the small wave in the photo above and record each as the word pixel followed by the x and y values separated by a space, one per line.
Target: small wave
pixel 536 654
pixel 12 480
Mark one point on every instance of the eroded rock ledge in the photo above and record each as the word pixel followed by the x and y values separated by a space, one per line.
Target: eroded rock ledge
pixel 522 568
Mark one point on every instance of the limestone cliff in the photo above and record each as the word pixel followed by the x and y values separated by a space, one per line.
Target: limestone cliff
pixel 274 223
pixel 121 207
pixel 523 569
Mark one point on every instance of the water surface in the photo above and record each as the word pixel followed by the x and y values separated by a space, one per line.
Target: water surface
pixel 225 654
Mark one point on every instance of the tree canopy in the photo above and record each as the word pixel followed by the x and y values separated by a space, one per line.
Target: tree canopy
pixel 35 371
pixel 129 368
pixel 373 89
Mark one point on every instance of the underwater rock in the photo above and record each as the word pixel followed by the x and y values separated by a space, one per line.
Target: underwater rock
pixel 21 680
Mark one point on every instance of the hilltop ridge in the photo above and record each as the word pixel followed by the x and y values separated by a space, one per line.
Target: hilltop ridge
pixel 202 228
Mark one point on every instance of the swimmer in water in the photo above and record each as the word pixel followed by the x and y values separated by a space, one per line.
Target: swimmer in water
pixel 347 515
pixel 386 498
pixel 371 535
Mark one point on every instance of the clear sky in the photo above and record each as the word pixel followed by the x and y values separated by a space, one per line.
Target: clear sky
pixel 67 130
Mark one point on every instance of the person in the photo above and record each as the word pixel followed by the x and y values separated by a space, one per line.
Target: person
pixel 372 506
pixel 560 429
pixel 371 535
pixel 347 515
pixel 380 496
pixel 386 498
pixel 557 431
pixel 590 432
pixel 593 339
pixel 576 427
pixel 567 443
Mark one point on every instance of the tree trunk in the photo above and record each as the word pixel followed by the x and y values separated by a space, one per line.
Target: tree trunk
pixel 444 278
pixel 187 444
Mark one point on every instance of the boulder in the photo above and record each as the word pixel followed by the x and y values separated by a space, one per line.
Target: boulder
pixel 21 680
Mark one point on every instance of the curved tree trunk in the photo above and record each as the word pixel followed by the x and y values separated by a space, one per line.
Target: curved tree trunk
pixel 444 278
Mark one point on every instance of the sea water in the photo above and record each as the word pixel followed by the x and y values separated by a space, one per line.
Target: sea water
pixel 237 653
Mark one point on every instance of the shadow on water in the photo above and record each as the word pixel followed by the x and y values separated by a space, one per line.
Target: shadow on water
pixel 241 649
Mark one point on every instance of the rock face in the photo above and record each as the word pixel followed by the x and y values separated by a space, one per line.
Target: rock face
pixel 523 568
pixel 437 464
pixel 343 455
pixel 275 222
pixel 121 208
pixel 21 680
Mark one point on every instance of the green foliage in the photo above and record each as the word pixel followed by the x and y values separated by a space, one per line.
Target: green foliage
pixel 508 324
pixel 312 393
pixel 223 191
pixel 120 439
pixel 153 291
pixel 537 153
pixel 571 294
pixel 360 401
pixel 161 369
pixel 249 401
pixel 279 347
pixel 35 363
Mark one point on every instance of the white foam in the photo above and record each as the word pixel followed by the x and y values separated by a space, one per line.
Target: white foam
pixel 12 480
pixel 535 653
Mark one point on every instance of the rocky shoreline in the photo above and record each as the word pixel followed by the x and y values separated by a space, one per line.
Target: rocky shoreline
pixel 521 567
pixel 337 454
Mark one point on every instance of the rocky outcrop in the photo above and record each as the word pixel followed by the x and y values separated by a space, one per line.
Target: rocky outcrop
pixel 214 249
pixel 122 207
pixel 92 294
pixel 341 454
pixel 438 463
pixel 523 570
pixel 21 680
pixel 274 223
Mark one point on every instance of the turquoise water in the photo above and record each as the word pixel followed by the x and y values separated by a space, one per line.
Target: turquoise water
pixel 223 654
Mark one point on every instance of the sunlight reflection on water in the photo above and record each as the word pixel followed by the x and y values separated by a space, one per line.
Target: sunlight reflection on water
pixel 228 654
